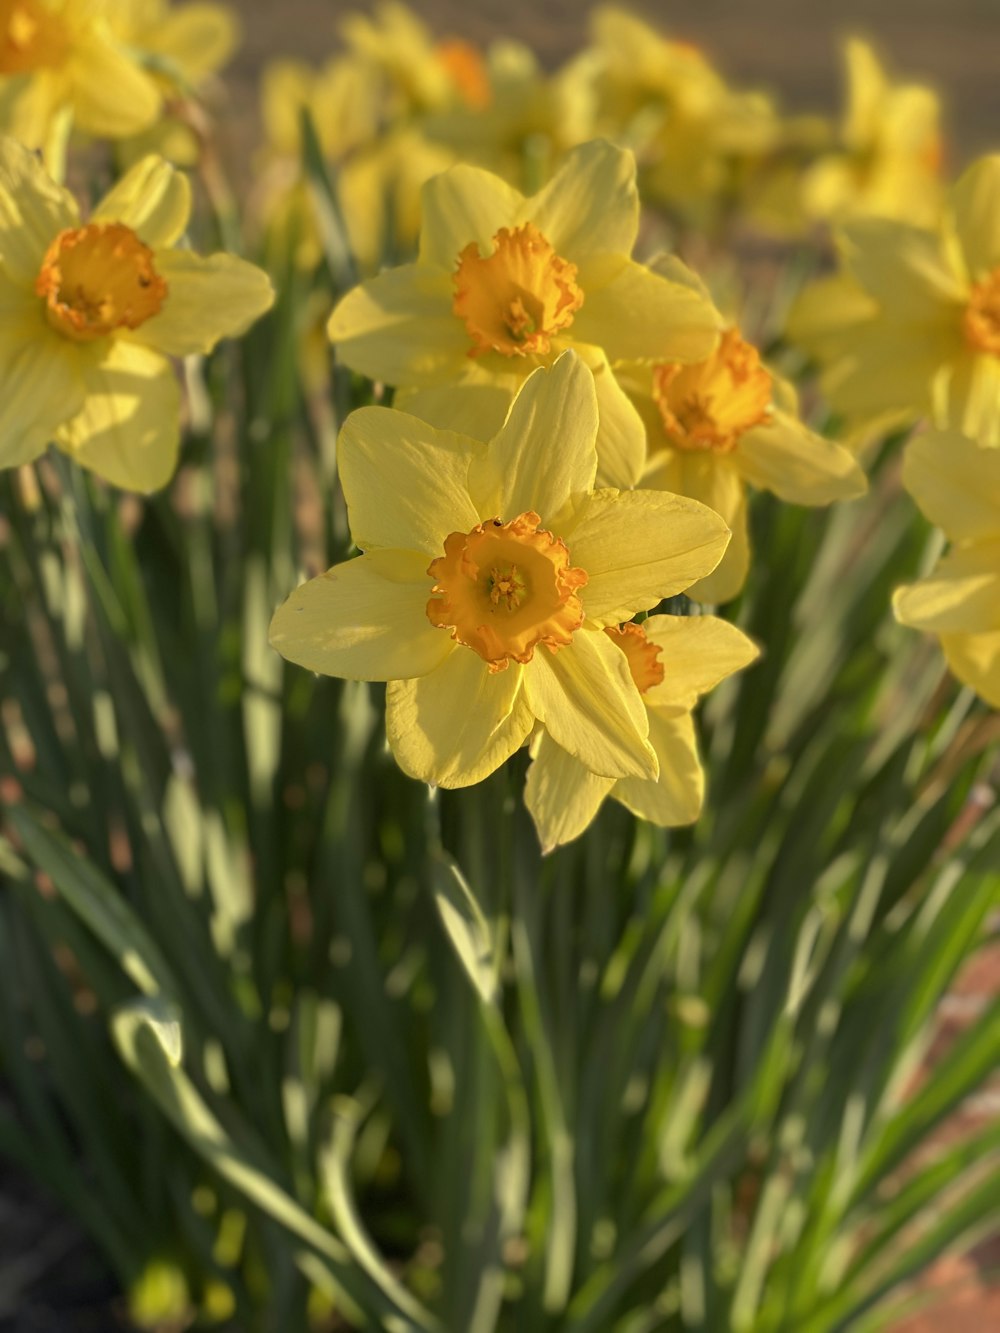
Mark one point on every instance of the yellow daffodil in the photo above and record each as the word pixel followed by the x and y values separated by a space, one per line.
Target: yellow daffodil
pixel 889 160
pixel 956 482
pixel 913 325
pixel 673 660
pixel 92 312
pixel 719 425
pixel 503 284
pixel 63 57
pixel 489 574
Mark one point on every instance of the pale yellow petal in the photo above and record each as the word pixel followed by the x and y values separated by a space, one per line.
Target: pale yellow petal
pixel 460 206
pixel 197 39
pixel 113 96
pixel 975 660
pixel 153 198
pixel 975 202
pixel 406 484
pixel 892 366
pixel 456 725
pixel 585 698
pixel 365 619
pixel 129 430
pixel 642 315
pixel 208 297
pixel 621 434
pixel 676 797
pixel 591 204
pixel 41 388
pixel 697 653
pixel 972 396
pixel 796 464
pixel 33 210
pixel 826 313
pixel 639 547
pixel 914 274
pixel 961 595
pixel 956 482
pixel 399 328
pixel 561 794
pixel 714 481
pixel 476 410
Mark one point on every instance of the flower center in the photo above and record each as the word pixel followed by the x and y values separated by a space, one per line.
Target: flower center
pixel 467 71
pixel 981 322
pixel 30 37
pixel 99 278
pixel 518 298
pixel 504 588
pixel 643 656
pixel 710 404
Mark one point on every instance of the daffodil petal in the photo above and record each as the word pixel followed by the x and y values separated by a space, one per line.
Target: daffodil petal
pixel 585 698
pixel 677 795
pixel 621 434
pixel 456 725
pixel 641 315
pixel 891 366
pixel 153 198
pixel 975 203
pixel 406 484
pixel 41 388
pixel 196 38
pixel 476 410
pixel 113 96
pixel 975 660
pixel 590 206
pixel 365 619
pixel 697 653
pixel 208 297
pixel 973 397
pixel 960 596
pixel 33 210
pixel 910 271
pixel 956 482
pixel 713 481
pixel 561 794
pixel 128 431
pixel 796 464
pixel 826 313
pixel 399 328
pixel 639 547
pixel 546 450
pixel 462 205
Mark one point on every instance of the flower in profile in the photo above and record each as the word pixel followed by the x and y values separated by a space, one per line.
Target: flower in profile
pixel 912 325
pixel 92 312
pixel 503 284
pixel 727 422
pixel 673 660
pixel 956 482
pixel 488 575
pixel 888 162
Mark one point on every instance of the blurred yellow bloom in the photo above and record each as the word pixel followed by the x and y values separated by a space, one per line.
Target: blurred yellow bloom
pixel 92 312
pixel 673 660
pixel 503 284
pixel 912 326
pixel 889 161
pixel 956 482
pixel 488 576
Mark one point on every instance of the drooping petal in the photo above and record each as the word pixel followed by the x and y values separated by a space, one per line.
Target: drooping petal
pixel 406 484
pixel 33 210
pixel 113 96
pixel 399 328
pixel 961 595
pixel 196 38
pixel 462 205
pixel 585 698
pixel 546 450
pixel 129 429
pixel 911 272
pixel 208 297
pixel 561 794
pixel 590 206
pixel 365 619
pixel 956 482
pixel 676 797
pixel 714 481
pixel 975 660
pixel 787 458
pixel 153 198
pixel 697 652
pixel 639 547
pixel 456 725
pixel 641 315
pixel 975 203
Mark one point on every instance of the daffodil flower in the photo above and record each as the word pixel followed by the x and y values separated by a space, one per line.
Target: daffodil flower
pixel 92 311
pixel 503 284
pixel 956 482
pixel 673 660
pixel 489 574
pixel 726 423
